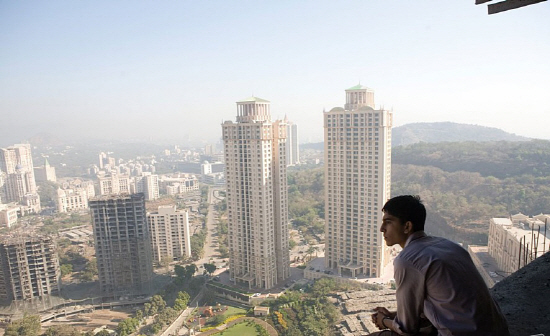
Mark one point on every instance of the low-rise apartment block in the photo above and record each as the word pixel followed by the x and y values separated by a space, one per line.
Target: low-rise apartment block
pixel 169 230
pixel 516 241
pixel 9 213
pixel 179 184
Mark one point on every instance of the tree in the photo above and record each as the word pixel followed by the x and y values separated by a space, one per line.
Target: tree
pixel 127 326
pixel 217 319
pixel 181 301
pixel 29 325
pixel 157 304
pixel 209 268
pixel 66 269
pixel 90 271
pixel 62 330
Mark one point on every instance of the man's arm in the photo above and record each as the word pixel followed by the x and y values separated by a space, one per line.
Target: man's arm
pixel 383 318
pixel 410 298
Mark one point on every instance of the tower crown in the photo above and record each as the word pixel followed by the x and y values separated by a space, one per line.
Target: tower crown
pixel 359 96
pixel 253 109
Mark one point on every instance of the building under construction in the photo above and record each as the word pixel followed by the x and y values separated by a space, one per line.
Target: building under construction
pixel 122 244
pixel 29 268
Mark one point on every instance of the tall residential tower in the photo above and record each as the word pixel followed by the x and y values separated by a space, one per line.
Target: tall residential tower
pixel 255 170
pixel 357 184
pixel 122 244
pixel 292 146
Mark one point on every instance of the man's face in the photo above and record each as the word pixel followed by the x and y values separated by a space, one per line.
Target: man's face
pixel 393 230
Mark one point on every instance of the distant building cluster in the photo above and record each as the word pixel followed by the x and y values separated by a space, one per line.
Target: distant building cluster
pixel 73 195
pixel 18 191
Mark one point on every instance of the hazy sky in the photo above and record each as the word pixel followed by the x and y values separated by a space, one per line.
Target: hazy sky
pixel 172 69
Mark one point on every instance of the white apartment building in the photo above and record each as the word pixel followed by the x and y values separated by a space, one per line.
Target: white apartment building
pixel 72 199
pixel 257 200
pixel 169 231
pixel 9 213
pixel 114 184
pixel 148 184
pixel 18 182
pixel 180 184
pixel 516 241
pixel 292 146
pixel 357 184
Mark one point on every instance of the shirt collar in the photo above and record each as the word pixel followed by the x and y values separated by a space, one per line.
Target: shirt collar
pixel 414 236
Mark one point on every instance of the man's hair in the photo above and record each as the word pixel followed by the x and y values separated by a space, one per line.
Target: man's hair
pixel 407 208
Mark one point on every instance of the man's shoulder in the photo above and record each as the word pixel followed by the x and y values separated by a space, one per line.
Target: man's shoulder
pixel 426 249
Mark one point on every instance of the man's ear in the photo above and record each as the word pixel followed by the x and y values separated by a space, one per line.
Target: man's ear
pixel 408 227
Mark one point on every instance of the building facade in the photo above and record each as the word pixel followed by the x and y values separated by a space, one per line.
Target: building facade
pixel 148 184
pixel 72 199
pixel 45 173
pixel 29 268
pixel 122 243
pixel 170 236
pixel 292 146
pixel 18 183
pixel 357 184
pixel 9 214
pixel 114 184
pixel 514 242
pixel 257 200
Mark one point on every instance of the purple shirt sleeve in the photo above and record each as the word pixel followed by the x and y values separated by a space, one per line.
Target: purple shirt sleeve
pixel 410 297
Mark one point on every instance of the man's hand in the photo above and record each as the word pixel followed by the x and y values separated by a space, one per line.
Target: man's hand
pixel 378 317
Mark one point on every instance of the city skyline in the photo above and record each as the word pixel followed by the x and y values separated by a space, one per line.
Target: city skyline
pixel 168 72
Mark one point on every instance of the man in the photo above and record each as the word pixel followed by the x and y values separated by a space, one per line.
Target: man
pixel 435 279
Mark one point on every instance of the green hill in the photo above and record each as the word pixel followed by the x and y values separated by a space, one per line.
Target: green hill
pixel 448 131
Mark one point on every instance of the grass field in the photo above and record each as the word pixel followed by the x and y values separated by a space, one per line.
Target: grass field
pixel 241 329
pixel 233 311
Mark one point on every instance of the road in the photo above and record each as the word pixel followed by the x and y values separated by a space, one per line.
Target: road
pixel 211 254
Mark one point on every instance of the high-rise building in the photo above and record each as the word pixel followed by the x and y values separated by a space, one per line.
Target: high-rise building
pixel 148 184
pixel 169 231
pixel 257 200
pixel 357 184
pixel 29 268
pixel 122 244
pixel 292 149
pixel 18 182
